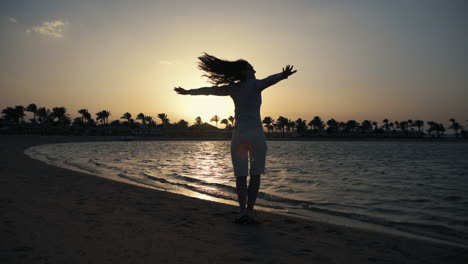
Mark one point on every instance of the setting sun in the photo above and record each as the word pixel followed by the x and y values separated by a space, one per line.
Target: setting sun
pixel 208 106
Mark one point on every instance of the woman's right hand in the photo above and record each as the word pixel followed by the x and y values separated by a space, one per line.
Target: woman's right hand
pixel 181 90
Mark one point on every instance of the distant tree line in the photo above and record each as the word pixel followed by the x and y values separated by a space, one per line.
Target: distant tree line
pixel 58 121
pixel 409 127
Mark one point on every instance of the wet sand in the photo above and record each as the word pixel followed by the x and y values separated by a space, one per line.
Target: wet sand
pixel 53 215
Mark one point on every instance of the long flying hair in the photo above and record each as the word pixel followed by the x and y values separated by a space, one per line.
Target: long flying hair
pixel 221 72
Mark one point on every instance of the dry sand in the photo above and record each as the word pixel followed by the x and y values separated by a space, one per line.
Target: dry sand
pixel 53 215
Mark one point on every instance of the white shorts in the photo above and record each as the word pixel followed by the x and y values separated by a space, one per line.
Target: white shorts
pixel 248 143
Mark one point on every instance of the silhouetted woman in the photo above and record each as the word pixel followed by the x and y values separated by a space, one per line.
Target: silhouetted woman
pixel 237 79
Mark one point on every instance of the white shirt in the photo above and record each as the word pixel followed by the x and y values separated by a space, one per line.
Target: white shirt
pixel 247 97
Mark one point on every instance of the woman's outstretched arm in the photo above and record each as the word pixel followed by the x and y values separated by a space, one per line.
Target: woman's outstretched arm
pixel 215 90
pixel 273 79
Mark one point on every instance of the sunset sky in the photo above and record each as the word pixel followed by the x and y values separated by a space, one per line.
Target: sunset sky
pixel 356 59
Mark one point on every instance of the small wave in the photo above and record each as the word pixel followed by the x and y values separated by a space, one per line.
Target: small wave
pixel 184 180
pixel 140 181
pixel 95 162
pixel 79 166
pixel 429 230
pixel 432 230
pixel 453 198
pixel 205 188
pixel 161 180
pixel 386 211
pixel 302 181
pixel 188 182
pixel 420 200
pixel 220 191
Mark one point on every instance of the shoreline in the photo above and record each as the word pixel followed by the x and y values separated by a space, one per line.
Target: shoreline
pixel 309 215
pixel 53 214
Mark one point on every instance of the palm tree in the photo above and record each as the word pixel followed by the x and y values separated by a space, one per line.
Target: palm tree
pixel 10 115
pixel 341 126
pixel 404 126
pixel 317 124
pixel 141 117
pixel 33 109
pixel 452 120
pixel 332 125
pixel 366 126
pixel 127 116
pixel 290 125
pixel 268 121
pixel 435 128
pixel 410 122
pixel 281 123
pixel 441 129
pixel 225 122
pixel 150 121
pixel 351 125
pixel 198 121
pixel 66 120
pixel 106 114
pixel 455 126
pixel 386 125
pixel 164 119
pixel 85 116
pixel 231 119
pixel 397 125
pixel 419 124
pixel 275 127
pixel 20 113
pixel 43 115
pixel 100 117
pixel 215 119
pixel 374 123
pixel 128 119
pixel 301 126
pixel 59 113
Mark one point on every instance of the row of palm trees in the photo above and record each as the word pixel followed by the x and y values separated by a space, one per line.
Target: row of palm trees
pixel 317 125
pixel 282 125
pixel 58 116
pixel 41 115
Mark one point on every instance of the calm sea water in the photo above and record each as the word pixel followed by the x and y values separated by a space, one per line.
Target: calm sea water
pixel 421 188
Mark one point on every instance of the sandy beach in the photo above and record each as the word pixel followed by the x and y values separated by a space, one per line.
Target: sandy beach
pixel 53 215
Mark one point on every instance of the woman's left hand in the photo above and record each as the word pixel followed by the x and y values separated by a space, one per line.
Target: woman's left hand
pixel 288 71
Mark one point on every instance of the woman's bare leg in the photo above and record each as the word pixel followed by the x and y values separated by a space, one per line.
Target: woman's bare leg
pixel 241 187
pixel 254 185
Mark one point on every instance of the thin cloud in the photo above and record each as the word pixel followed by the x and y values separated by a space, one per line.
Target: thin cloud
pixel 13 20
pixel 53 29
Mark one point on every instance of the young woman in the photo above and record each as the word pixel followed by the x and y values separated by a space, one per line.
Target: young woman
pixel 237 79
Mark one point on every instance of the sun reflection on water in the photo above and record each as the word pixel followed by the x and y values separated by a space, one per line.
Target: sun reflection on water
pixel 208 161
